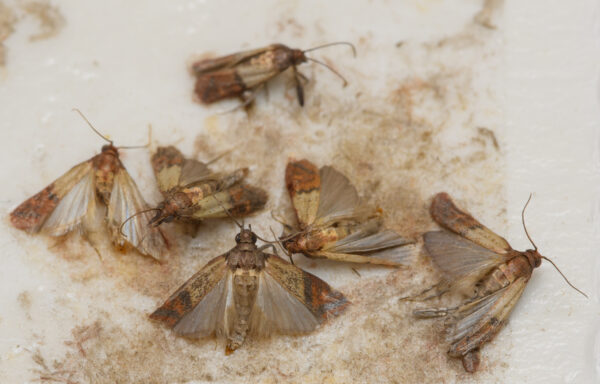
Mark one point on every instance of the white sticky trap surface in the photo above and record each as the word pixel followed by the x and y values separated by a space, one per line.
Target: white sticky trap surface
pixel 430 81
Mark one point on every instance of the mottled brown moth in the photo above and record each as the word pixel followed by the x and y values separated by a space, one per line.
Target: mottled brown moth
pixel 241 74
pixel 95 189
pixel 332 223
pixel 475 259
pixel 192 191
pixel 248 291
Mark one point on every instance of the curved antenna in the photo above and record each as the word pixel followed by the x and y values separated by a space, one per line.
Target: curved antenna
pixel 564 277
pixel 288 253
pixel 523 219
pixel 91 126
pixel 330 68
pixel 147 145
pixel 331 44
pixel 131 217
pixel 240 226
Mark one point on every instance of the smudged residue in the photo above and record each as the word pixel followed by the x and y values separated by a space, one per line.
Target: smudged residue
pixel 7 27
pixel 50 19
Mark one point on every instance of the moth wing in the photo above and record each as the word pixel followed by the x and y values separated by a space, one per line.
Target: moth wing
pixel 167 163
pixel 338 198
pixel 194 171
pixel 228 61
pixel 198 308
pixel 34 212
pixel 367 237
pixel 475 324
pixel 124 206
pixel 290 300
pixel 78 207
pixel 239 200
pixel 462 261
pixel 303 183
pixel 448 215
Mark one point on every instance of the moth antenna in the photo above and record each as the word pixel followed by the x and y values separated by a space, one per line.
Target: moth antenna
pixel 222 155
pixel 147 145
pixel 91 126
pixel 281 245
pixel 523 219
pixel 564 277
pixel 132 216
pixel 229 213
pixel 331 44
pixel 330 68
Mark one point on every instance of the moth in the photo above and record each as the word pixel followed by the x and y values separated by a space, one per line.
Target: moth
pixel 96 189
pixel 192 191
pixel 474 258
pixel 241 74
pixel 332 223
pixel 248 291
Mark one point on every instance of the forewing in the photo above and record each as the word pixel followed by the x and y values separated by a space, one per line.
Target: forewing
pixel 338 199
pixel 33 212
pixel 239 200
pixel 125 206
pixel 303 183
pixel 228 61
pixel 198 307
pixel 302 289
pixel 474 325
pixel 367 238
pixel 462 261
pixel 167 163
pixel 448 215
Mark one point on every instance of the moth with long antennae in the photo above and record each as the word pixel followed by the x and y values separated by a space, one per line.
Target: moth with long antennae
pixel 77 200
pixel 472 258
pixel 241 74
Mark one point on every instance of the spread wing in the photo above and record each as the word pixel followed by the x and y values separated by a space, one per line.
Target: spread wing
pixel 303 183
pixel 338 198
pixel 449 216
pixel 290 300
pixel 125 205
pixel 172 169
pixel 198 308
pixel 65 201
pixel 463 262
pixel 478 322
pixel 368 238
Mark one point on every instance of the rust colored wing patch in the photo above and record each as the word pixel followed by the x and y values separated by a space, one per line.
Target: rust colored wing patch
pixel 303 183
pixel 219 85
pixel 323 301
pixel 191 292
pixel 449 216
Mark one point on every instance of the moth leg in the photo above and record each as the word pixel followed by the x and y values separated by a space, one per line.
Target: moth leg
pixel 471 360
pixel 299 88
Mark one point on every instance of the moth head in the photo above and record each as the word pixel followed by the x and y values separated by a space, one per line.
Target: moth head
pixel 534 257
pixel 245 236
pixel 110 149
pixel 164 214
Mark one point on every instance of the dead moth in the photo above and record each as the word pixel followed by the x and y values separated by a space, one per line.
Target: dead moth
pixel 247 291
pixel 242 73
pixel 476 259
pixel 193 191
pixel 99 188
pixel 332 223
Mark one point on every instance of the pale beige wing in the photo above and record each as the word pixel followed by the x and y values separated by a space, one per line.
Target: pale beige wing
pixel 125 205
pixel 463 262
pixel 474 325
pixel 80 201
pixel 338 198
pixel 367 237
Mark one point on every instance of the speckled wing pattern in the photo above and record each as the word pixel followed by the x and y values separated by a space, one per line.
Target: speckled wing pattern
pixel 61 206
pixel 126 207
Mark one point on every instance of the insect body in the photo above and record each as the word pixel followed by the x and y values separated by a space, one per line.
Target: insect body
pixel 478 260
pixel 192 191
pixel 242 73
pixel 332 222
pixel 248 291
pixel 78 199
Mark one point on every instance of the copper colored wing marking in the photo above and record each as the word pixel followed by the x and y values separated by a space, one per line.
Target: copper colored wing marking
pixel 228 61
pixel 316 295
pixel 239 200
pixel 33 212
pixel 215 86
pixel 338 199
pixel 167 164
pixel 477 324
pixel 446 214
pixel 303 183
pixel 463 262
pixel 192 292
pixel 125 204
